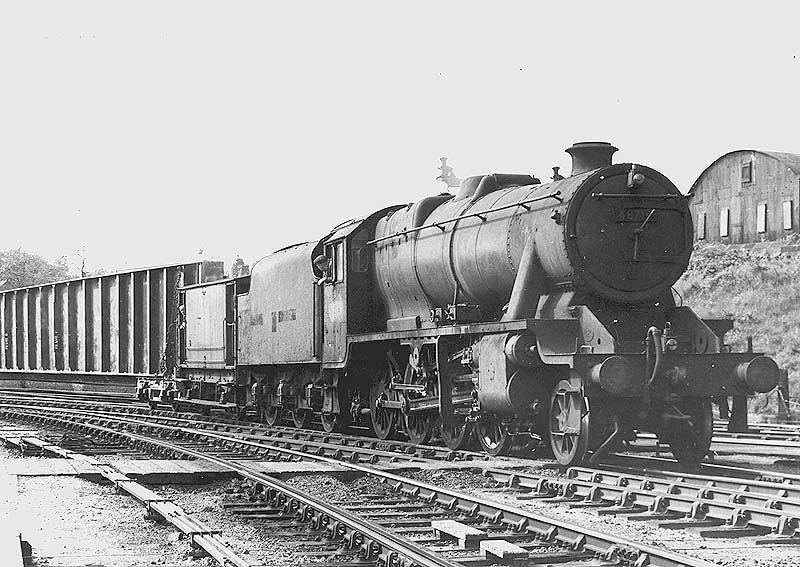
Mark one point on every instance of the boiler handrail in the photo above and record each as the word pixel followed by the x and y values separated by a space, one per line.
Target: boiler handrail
pixel 480 215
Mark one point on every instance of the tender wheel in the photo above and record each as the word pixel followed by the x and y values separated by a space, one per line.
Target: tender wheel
pixel 493 435
pixel 383 420
pixel 456 433
pixel 300 418
pixel 339 420
pixel 272 415
pixel 690 441
pixel 419 427
pixel 333 422
pixel 569 424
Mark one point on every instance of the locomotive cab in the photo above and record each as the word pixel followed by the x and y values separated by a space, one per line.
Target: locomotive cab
pixel 343 267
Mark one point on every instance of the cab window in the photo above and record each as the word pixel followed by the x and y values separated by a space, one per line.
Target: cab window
pixel 338 262
pixel 336 253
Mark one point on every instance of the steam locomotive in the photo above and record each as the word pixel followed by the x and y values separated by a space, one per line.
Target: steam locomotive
pixel 513 310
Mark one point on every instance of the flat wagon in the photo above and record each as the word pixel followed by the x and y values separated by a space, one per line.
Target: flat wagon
pixel 98 333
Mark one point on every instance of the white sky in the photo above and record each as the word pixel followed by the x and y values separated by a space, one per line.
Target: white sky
pixel 139 133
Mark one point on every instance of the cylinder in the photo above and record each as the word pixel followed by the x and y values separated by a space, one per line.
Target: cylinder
pixel 522 389
pixel 521 350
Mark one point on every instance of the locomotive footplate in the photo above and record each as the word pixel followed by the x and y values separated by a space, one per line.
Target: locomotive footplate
pixel 690 375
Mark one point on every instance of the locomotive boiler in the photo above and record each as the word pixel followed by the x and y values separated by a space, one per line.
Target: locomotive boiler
pixel 510 311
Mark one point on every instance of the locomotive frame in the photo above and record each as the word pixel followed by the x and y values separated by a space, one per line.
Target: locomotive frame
pixel 512 311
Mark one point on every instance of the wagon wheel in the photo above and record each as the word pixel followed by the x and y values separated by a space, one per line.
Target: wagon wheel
pixel 383 419
pixel 420 426
pixel 569 424
pixel 272 414
pixel 689 441
pixel 456 433
pixel 493 435
pixel 300 417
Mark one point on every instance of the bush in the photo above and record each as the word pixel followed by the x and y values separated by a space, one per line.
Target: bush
pixel 760 291
pixel 22 269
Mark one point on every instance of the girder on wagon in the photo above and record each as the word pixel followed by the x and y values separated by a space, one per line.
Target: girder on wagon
pixel 114 325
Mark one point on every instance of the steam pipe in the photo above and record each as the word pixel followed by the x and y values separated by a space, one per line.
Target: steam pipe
pixel 654 338
pixel 527 285
pixel 318 325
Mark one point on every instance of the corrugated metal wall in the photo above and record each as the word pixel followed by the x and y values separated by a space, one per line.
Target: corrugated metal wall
pixel 115 323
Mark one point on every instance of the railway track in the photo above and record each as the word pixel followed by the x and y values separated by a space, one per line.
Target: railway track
pixel 749 518
pixel 721 507
pixel 723 444
pixel 448 527
pixel 729 444
pixel 776 430
pixel 368 449
pixel 383 451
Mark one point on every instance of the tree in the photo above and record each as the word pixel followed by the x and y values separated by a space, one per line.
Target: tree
pixel 22 269
pixel 239 268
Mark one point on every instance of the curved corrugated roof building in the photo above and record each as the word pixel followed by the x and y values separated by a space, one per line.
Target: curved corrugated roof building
pixel 747 196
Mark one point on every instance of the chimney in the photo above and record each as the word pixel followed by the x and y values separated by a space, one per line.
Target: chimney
pixel 587 156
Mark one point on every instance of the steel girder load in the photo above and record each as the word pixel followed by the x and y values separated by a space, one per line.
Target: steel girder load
pixel 103 330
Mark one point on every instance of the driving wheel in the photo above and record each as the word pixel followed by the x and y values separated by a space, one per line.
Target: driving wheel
pixel 419 427
pixel 383 419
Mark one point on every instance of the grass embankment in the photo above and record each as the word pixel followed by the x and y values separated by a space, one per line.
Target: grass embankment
pixel 760 290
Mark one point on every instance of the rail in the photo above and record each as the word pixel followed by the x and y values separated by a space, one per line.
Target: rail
pixel 341 524
pixel 543 529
